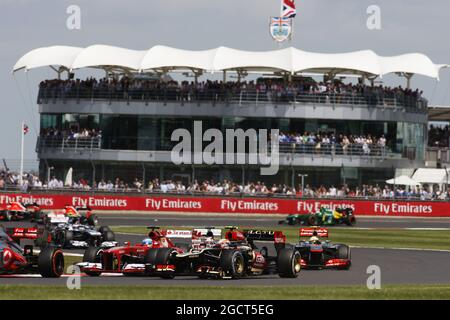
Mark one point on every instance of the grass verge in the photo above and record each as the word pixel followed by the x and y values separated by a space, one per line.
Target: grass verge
pixel 416 292
pixel 387 238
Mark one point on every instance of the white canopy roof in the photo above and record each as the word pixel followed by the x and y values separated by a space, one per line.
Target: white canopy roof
pixel 403 181
pixel 222 58
pixel 431 176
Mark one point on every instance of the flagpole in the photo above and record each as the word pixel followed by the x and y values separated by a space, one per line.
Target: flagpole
pixel 21 153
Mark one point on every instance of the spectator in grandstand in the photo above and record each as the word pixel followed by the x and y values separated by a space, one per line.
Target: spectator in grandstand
pixel 272 89
pixel 439 136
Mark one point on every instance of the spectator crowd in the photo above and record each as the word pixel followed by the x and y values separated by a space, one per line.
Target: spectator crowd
pixel 72 133
pixel 270 89
pixel 439 136
pixel 31 181
pixel 340 143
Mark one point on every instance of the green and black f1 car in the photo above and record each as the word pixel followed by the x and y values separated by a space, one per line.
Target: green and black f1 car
pixel 325 217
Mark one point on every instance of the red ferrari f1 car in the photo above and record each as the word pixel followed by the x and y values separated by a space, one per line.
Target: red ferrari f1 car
pixel 14 259
pixel 129 259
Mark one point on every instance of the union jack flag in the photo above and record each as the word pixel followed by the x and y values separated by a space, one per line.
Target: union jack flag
pixel 288 10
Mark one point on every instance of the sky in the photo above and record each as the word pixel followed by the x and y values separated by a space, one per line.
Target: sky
pixel 326 26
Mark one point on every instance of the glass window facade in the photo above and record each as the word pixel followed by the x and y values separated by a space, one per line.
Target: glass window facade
pixel 130 132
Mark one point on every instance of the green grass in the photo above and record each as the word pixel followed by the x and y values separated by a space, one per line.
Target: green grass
pixel 69 260
pixel 388 238
pixel 225 292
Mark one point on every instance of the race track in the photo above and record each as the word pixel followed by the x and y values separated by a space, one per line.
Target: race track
pixel 397 266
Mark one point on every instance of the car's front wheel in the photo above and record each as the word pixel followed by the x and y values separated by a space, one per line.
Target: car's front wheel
pixel 92 255
pixel 289 263
pixel 7 216
pixel 51 262
pixel 232 263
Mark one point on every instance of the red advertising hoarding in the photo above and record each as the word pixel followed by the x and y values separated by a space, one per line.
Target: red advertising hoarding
pixel 231 205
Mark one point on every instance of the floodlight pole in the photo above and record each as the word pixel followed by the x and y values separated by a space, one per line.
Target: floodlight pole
pixel 22 134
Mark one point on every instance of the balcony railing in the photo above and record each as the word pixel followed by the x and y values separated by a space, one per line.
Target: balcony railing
pixel 55 143
pixel 229 96
pixel 72 144
pixel 438 155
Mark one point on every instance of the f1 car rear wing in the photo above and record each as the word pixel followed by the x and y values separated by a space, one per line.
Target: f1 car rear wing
pixel 18 234
pixel 57 218
pixel 188 234
pixel 177 234
pixel 207 232
pixel 265 235
pixel 16 206
pixel 318 232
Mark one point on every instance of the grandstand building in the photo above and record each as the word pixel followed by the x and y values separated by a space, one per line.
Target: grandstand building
pixel 121 126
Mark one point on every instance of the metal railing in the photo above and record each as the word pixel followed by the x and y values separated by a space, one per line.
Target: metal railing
pixel 72 144
pixel 438 155
pixel 337 150
pixel 141 144
pixel 233 96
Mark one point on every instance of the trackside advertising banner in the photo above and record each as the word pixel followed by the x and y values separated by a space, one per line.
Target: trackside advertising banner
pixel 230 205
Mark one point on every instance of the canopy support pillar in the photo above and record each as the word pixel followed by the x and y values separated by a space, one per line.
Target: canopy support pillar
pixel 408 77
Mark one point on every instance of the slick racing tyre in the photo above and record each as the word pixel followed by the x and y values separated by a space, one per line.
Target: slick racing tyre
pixel 67 237
pixel 163 258
pixel 312 220
pixel 7 216
pixel 108 236
pixel 289 263
pixel 51 262
pixel 92 220
pixel 232 263
pixel 103 229
pixel 43 241
pixel 344 252
pixel 350 220
pixel 92 254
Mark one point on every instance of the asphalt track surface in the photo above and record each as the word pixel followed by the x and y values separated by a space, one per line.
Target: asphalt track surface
pixel 397 266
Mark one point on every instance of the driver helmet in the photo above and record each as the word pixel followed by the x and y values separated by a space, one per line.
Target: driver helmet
pixel 147 241
pixel 72 212
pixel 314 239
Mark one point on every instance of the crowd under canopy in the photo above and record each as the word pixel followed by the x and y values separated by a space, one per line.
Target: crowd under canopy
pixel 288 61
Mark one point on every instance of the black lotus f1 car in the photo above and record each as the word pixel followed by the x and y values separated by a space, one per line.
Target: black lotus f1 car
pixel 233 257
